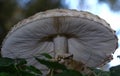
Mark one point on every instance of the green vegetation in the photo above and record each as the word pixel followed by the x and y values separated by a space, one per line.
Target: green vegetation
pixel 18 67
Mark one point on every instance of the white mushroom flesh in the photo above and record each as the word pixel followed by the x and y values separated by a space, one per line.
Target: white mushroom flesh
pixel 88 37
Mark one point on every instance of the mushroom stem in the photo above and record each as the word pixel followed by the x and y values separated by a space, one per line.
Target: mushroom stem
pixel 60 45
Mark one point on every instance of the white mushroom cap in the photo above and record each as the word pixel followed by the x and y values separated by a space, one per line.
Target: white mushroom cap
pixel 89 38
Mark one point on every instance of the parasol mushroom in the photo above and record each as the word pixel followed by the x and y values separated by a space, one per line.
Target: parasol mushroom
pixel 89 38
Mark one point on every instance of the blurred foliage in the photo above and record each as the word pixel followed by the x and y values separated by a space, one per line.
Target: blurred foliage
pixel 113 4
pixel 18 67
pixel 7 8
pixel 115 71
pixel 41 5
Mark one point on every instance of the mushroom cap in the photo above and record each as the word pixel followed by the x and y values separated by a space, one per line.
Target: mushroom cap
pixel 89 38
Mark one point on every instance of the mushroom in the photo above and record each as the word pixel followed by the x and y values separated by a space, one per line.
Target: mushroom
pixel 88 37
